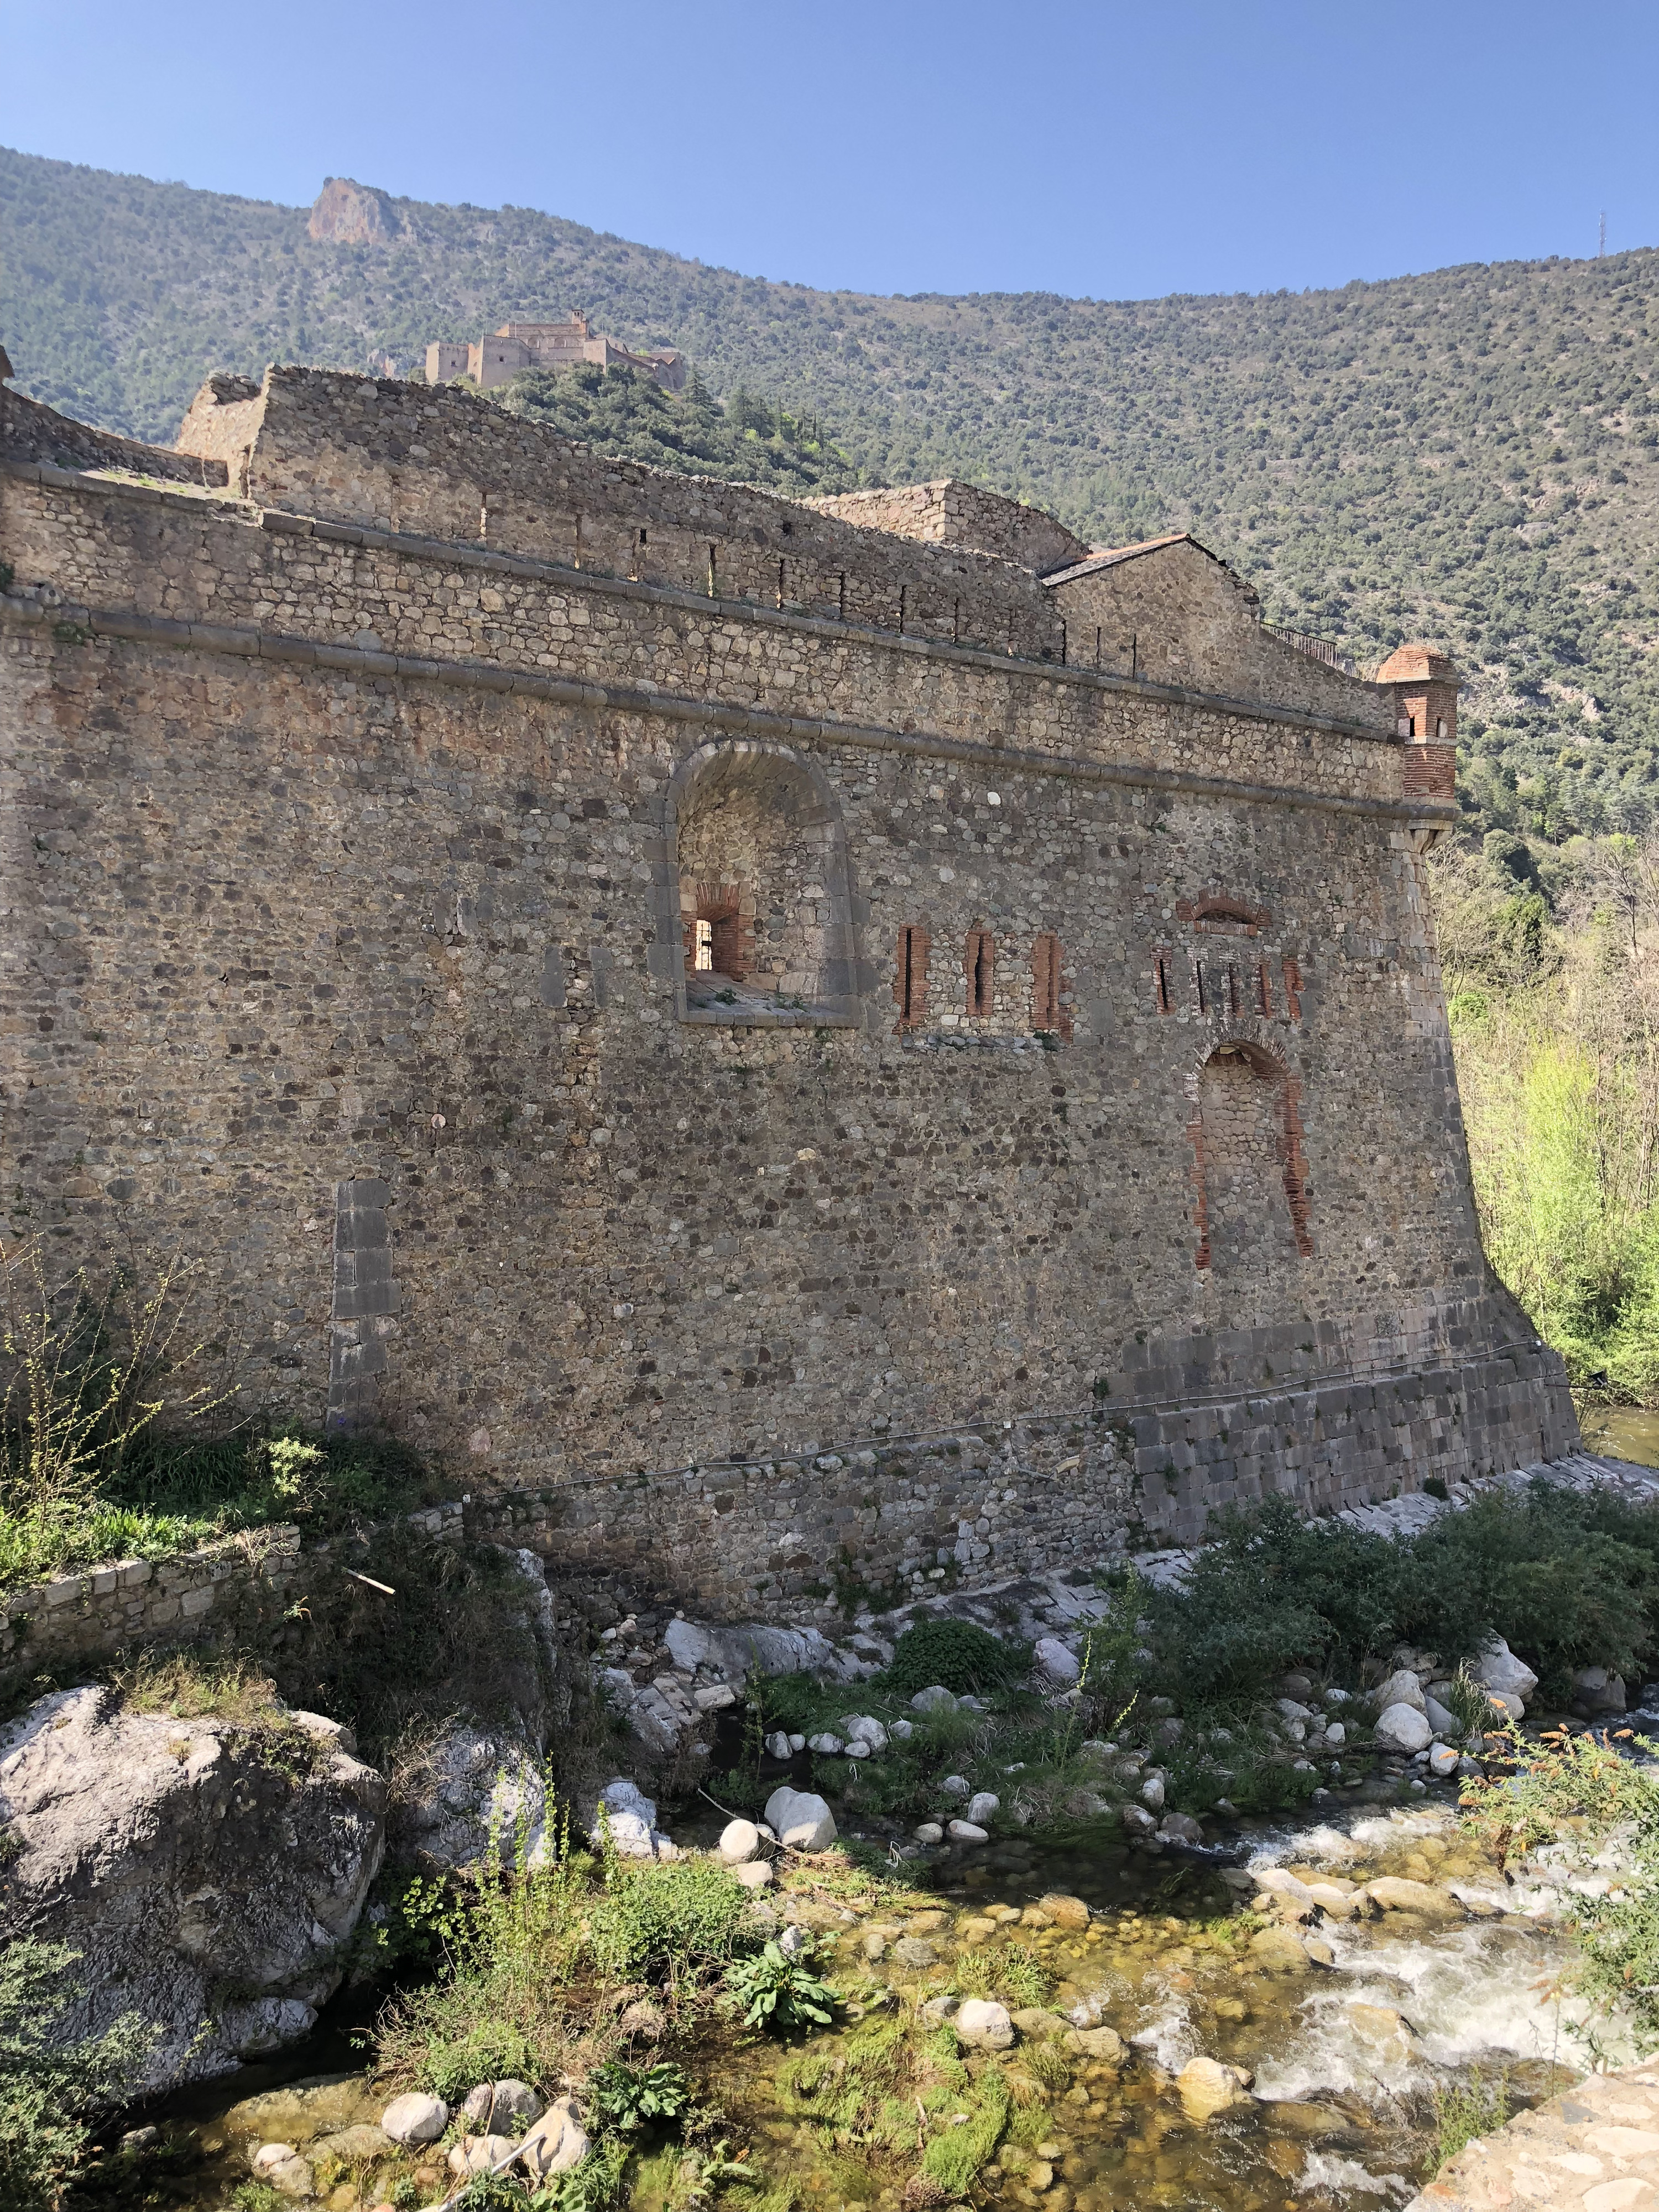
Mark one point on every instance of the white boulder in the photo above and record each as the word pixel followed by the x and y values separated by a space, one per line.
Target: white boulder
pixel 982 1806
pixel 1152 1792
pixel 902 1731
pixel 1056 1661
pixel 415 2118
pixel 1402 1727
pixel 1496 1668
pixel 936 1699
pixel 475 1783
pixel 929 1832
pixel 1336 1735
pixel 1443 1759
pixel 800 1820
pixel 1595 1691
pixel 778 1745
pixel 478 2153
pixel 956 1785
pixel 557 2141
pixel 967 1832
pixel 826 1746
pixel 864 1727
pixel 1401 1688
pixel 1442 1719
pixel 739 1843
pixel 984 2025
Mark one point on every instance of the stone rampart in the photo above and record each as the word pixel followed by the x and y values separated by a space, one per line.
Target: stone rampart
pixel 1083 1044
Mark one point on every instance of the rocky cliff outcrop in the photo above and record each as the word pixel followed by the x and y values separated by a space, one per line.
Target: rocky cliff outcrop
pixel 211 1873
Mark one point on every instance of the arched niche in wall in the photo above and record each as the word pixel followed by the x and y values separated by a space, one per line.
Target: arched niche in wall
pixel 1250 1172
pixel 758 900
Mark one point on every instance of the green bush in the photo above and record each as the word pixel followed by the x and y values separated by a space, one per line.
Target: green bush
pixel 772 1989
pixel 957 1654
pixel 674 1916
pixel 630 2097
pixel 49 2092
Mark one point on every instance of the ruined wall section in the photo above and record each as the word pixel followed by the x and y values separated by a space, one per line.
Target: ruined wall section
pixel 446 463
pixel 32 432
pixel 1177 614
pixel 948 513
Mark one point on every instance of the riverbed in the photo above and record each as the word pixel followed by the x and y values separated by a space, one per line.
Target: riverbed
pixel 1346 2027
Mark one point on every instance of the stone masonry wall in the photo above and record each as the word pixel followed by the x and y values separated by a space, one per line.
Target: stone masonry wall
pixel 32 432
pixel 951 514
pixel 344 862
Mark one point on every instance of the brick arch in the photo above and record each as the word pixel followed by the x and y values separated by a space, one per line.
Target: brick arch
pixel 756 845
pixel 1220 911
pixel 1240 1093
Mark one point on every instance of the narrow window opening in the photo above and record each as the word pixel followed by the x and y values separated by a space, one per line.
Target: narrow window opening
pixel 1045 982
pixel 844 594
pixel 1410 726
pixel 956 622
pixel 1264 1003
pixel 645 537
pixel 780 579
pixel 1097 645
pixel 1161 981
pixel 910 984
pixel 1232 991
pixel 1062 645
pixel 1440 729
pixel 1198 985
pixel 576 541
pixel 904 601
pixel 980 962
pixel 704 960
pixel 713 593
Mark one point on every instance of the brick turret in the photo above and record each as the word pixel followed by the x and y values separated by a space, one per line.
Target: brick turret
pixel 1423 686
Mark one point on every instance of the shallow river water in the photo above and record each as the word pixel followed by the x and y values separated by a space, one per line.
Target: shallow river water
pixel 1344 2051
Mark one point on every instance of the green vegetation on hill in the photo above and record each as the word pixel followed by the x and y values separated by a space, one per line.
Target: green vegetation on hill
pixel 625 412
pixel 1471 456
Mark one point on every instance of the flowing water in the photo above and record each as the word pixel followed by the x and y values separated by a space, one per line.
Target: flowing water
pixel 1629 1432
pixel 1345 2055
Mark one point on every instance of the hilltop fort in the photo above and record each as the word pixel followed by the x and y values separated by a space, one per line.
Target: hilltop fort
pixel 503 353
pixel 849 1043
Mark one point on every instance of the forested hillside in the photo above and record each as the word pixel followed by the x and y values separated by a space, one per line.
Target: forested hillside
pixel 1471 456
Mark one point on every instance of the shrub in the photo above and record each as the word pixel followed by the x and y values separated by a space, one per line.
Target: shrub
pixel 628 2097
pixel 48 2093
pixel 957 1654
pixel 774 1990
pixel 667 1916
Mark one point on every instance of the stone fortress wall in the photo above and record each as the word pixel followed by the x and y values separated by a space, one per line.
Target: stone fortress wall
pixel 1071 1050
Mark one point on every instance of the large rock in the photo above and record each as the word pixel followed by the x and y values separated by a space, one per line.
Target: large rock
pixel 736 1653
pixel 557 2141
pixel 1496 1668
pixel 415 2118
pixel 184 1860
pixel 739 1843
pixel 800 1820
pixel 1403 1727
pixel 1206 2087
pixel 1053 1659
pixel 1595 1691
pixel 1397 1893
pixel 1442 1719
pixel 1402 1688
pixel 984 2025
pixel 473 1785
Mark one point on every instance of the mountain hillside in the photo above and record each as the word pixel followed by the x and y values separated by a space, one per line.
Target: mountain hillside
pixel 1471 455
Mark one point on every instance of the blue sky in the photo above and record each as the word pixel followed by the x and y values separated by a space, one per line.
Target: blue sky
pixel 1110 150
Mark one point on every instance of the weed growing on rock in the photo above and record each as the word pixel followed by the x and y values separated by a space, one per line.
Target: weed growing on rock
pixel 671 1919
pixel 1464 2111
pixel 628 2097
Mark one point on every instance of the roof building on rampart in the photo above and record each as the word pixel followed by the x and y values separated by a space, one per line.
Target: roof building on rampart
pixel 502 355
pixel 844 1042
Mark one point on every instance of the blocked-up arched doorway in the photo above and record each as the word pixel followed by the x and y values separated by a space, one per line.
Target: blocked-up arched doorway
pixel 1250 1173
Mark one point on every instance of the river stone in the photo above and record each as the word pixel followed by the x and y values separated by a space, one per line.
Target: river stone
pixel 1396 1893
pixel 1443 1720
pixel 1278 1951
pixel 293 2177
pixel 358 2145
pixel 1102 2043
pixel 1138 1820
pixel 936 1699
pixel 778 1745
pixel 1595 1691
pixel 928 1832
pixel 415 2118
pixel 956 1786
pixel 477 2154
pixel 1401 1727
pixel 982 1806
pixel 1401 1688
pixel 270 2155
pixel 1205 2088
pixel 984 2025
pixel 1443 1759
pixel 1497 1667
pixel 1152 1792
pixel 800 1820
pixel 1063 1910
pixel 185 1858
pixel 755 1873
pixel 514 2105
pixel 740 1841
pixel 915 1951
pixel 1388 2031
pixel 1053 1659
pixel 864 1727
pixel 557 2141
pixel 1180 1828
pixel 826 1745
